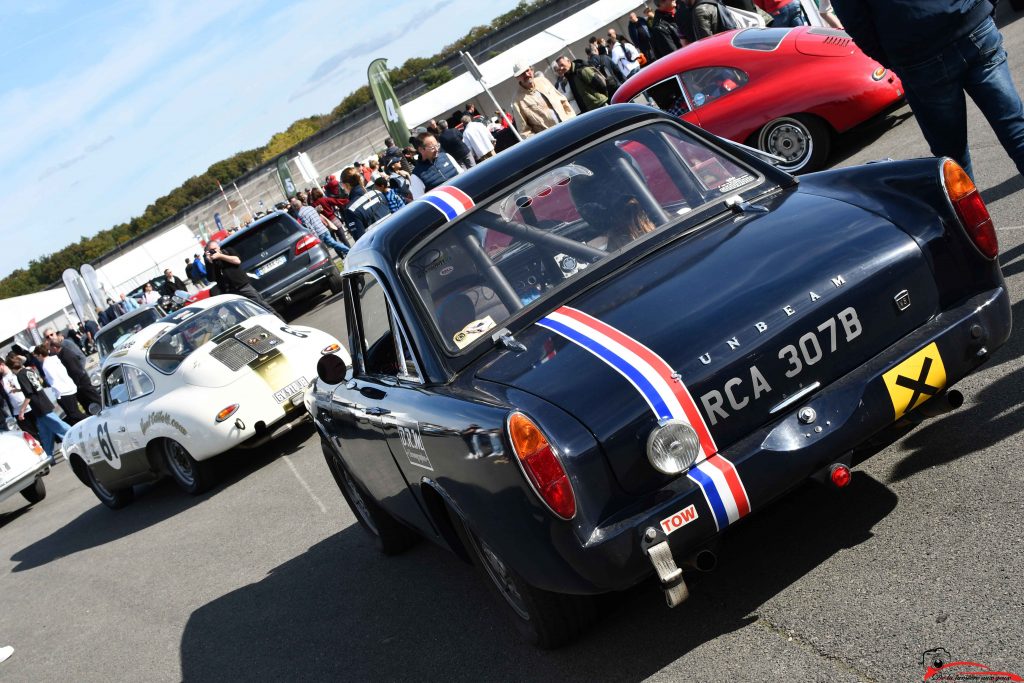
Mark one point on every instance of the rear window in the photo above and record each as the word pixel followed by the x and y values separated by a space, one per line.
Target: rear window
pixel 192 331
pixel 107 340
pixel 259 238
pixel 480 269
pixel 759 39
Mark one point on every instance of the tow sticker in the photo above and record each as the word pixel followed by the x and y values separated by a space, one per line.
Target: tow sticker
pixel 412 443
pixel 679 520
pixel 471 332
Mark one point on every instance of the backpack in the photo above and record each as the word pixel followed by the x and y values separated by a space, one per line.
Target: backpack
pixel 726 20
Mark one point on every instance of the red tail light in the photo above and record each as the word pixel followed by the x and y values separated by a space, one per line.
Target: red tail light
pixel 32 443
pixel 542 466
pixel 970 208
pixel 305 244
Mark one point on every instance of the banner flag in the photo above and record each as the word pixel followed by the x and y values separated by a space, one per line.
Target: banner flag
pixel 286 178
pixel 387 101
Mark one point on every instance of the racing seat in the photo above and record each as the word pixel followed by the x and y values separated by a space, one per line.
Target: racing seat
pixel 450 279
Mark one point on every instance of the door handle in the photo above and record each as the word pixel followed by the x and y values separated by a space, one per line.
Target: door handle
pixel 375 410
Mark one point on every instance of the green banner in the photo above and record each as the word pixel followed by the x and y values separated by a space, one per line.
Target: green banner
pixel 286 178
pixel 387 102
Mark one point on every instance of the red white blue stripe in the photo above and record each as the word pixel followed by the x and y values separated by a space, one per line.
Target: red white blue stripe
pixel 450 201
pixel 668 398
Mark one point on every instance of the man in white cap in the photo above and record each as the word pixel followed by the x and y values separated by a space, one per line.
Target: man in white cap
pixel 538 104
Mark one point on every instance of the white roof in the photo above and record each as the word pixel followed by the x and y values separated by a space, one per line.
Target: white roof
pixel 17 311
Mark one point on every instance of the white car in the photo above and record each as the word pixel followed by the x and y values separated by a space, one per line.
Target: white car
pixel 23 464
pixel 215 375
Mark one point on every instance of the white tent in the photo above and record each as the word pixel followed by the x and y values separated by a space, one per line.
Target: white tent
pixel 41 306
pixel 536 50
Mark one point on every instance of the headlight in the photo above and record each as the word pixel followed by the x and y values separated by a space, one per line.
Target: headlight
pixel 672 447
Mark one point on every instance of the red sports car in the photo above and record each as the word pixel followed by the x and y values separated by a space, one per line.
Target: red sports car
pixel 783 91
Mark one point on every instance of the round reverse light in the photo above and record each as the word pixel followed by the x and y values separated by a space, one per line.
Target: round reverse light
pixel 672 447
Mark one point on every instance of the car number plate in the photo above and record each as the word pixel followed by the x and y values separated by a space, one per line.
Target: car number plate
pixel 270 265
pixel 292 389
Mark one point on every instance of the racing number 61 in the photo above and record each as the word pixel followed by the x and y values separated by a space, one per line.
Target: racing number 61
pixel 106 445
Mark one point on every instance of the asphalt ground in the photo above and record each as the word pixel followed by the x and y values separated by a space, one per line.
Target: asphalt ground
pixel 268 577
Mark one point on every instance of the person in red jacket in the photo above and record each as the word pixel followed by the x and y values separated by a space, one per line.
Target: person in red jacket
pixel 785 13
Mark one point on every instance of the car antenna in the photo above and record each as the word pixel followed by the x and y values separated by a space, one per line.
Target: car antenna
pixel 505 338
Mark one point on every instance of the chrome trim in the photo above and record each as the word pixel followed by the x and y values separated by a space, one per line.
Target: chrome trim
pixel 809 389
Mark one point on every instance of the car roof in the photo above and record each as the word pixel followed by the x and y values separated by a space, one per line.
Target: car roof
pixel 255 225
pixel 120 319
pixel 135 354
pixel 715 50
pixel 389 240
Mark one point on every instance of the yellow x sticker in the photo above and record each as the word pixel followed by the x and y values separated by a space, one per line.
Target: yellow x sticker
pixel 915 380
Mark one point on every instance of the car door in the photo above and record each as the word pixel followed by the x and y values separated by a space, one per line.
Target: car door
pixel 116 445
pixel 358 405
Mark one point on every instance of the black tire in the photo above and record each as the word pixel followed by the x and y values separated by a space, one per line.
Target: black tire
pixel 803 141
pixel 36 492
pixel 547 620
pixel 115 500
pixel 192 476
pixel 389 535
pixel 335 282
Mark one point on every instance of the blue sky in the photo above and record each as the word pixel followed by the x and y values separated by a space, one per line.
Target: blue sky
pixel 107 105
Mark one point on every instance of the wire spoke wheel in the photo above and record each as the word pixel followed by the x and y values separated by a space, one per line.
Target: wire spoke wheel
pixel 358 502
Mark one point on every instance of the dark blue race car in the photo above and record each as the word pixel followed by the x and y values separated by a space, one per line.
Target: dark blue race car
pixel 581 362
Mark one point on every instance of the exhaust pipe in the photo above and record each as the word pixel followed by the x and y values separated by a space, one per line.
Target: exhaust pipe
pixel 945 402
pixel 703 560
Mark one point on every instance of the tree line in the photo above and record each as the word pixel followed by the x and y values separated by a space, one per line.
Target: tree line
pixel 43 271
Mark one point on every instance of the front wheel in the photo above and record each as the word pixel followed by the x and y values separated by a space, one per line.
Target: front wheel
pixel 801 141
pixel 191 476
pixel 389 535
pixel 36 492
pixel 115 500
pixel 548 620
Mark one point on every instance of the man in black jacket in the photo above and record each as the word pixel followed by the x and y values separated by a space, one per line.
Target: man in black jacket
pixel 74 362
pixel 664 37
pixel 224 266
pixel 451 143
pixel 941 49
pixel 172 283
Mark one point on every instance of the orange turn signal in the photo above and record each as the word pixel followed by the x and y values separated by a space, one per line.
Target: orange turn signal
pixel 970 209
pixel 32 443
pixel 329 349
pixel 958 183
pixel 225 413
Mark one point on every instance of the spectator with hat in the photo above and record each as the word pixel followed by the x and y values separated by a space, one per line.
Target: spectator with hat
pixel 538 105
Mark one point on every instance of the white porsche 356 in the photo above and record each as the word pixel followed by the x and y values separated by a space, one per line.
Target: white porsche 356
pixel 218 374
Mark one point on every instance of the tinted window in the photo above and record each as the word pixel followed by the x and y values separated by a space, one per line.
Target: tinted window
pixel 107 340
pixel 258 238
pixel 196 327
pixel 707 85
pixel 761 39
pixel 483 267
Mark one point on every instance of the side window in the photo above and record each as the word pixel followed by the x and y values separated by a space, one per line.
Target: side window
pixel 379 346
pixel 139 383
pixel 708 84
pixel 667 96
pixel 115 391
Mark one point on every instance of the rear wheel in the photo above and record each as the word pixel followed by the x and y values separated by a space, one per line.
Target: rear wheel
pixel 548 620
pixel 36 492
pixel 390 536
pixel 801 141
pixel 115 500
pixel 335 283
pixel 192 476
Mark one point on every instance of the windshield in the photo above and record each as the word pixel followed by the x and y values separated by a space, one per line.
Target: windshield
pixel 107 340
pixel 196 327
pixel 259 238
pixel 492 261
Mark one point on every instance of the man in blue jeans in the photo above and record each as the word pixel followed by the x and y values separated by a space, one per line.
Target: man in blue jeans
pixel 942 49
